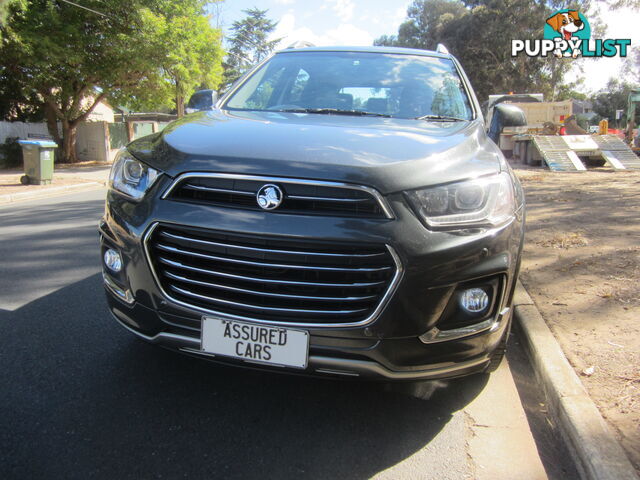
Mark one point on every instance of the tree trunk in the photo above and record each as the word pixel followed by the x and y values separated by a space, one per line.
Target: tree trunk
pixel 52 123
pixel 69 132
pixel 52 128
pixel 69 127
pixel 556 77
pixel 180 105
pixel 179 101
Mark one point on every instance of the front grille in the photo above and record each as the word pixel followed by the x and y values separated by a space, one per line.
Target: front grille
pixel 270 279
pixel 300 197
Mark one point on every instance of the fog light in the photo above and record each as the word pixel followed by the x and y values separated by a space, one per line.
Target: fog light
pixel 474 300
pixel 113 260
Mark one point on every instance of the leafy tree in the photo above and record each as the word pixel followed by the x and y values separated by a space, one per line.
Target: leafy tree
pixel 573 90
pixel 192 61
pixel 5 6
pixel 248 43
pixel 631 68
pixel 15 104
pixel 66 58
pixel 613 97
pixel 615 4
pixel 565 92
pixel 479 34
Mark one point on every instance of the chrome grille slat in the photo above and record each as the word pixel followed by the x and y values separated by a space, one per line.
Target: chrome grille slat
pixel 263 264
pixel 267 294
pixel 270 250
pixel 275 280
pixel 265 280
pixel 219 190
pixel 260 307
pixel 300 196
pixel 327 199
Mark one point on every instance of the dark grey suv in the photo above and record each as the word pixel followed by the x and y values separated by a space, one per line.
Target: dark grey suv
pixel 340 211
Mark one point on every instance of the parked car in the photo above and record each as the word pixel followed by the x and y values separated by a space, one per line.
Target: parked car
pixel 339 212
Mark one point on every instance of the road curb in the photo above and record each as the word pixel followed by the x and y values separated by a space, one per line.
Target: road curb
pixel 48 192
pixel 593 446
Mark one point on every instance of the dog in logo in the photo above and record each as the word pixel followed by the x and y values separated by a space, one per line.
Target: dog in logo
pixel 566 24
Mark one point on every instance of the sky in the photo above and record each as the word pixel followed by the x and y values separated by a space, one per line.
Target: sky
pixel 324 22
pixel 622 23
pixel 359 22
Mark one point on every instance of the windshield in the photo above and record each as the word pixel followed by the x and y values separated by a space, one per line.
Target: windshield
pixel 403 86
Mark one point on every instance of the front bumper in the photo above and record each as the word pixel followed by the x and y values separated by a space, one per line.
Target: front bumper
pixel 334 357
pixel 406 340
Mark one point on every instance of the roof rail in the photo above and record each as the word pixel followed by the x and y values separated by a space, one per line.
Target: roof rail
pixel 300 44
pixel 442 49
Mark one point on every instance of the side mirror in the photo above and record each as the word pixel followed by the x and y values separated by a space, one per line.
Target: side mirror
pixel 505 115
pixel 202 100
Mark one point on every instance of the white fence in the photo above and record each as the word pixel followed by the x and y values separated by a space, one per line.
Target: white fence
pixel 22 130
pixel 93 141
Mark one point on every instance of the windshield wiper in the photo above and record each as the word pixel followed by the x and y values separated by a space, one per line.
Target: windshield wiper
pixel 440 118
pixel 335 111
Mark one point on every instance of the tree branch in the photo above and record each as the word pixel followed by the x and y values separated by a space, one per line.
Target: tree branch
pixel 52 103
pixel 96 101
pixel 76 102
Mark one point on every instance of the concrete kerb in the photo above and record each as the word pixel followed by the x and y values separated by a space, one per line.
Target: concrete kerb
pixel 595 450
pixel 48 192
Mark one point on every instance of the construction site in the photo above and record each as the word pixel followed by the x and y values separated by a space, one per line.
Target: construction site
pixel 538 133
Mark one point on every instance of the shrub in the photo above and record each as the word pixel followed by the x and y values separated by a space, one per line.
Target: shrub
pixel 10 153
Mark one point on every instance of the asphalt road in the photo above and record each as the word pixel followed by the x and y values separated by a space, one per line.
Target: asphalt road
pixel 81 398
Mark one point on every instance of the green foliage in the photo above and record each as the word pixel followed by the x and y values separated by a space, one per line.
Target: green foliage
pixel 17 104
pixel 613 97
pixel 566 93
pixel 248 43
pixel 5 9
pixel 584 121
pixel 631 68
pixel 189 57
pixel 10 153
pixel 141 52
pixel 615 4
pixel 572 91
pixel 479 34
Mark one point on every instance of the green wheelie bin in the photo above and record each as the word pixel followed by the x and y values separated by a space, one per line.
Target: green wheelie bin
pixel 38 158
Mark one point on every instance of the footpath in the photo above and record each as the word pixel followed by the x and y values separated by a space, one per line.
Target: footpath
pixel 66 178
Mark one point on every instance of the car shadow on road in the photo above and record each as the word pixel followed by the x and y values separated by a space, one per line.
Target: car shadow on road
pixel 38 250
pixel 82 398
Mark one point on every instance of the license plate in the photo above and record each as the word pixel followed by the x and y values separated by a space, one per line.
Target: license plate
pixel 255 343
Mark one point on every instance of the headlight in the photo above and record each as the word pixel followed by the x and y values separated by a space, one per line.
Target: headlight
pixel 130 176
pixel 486 201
